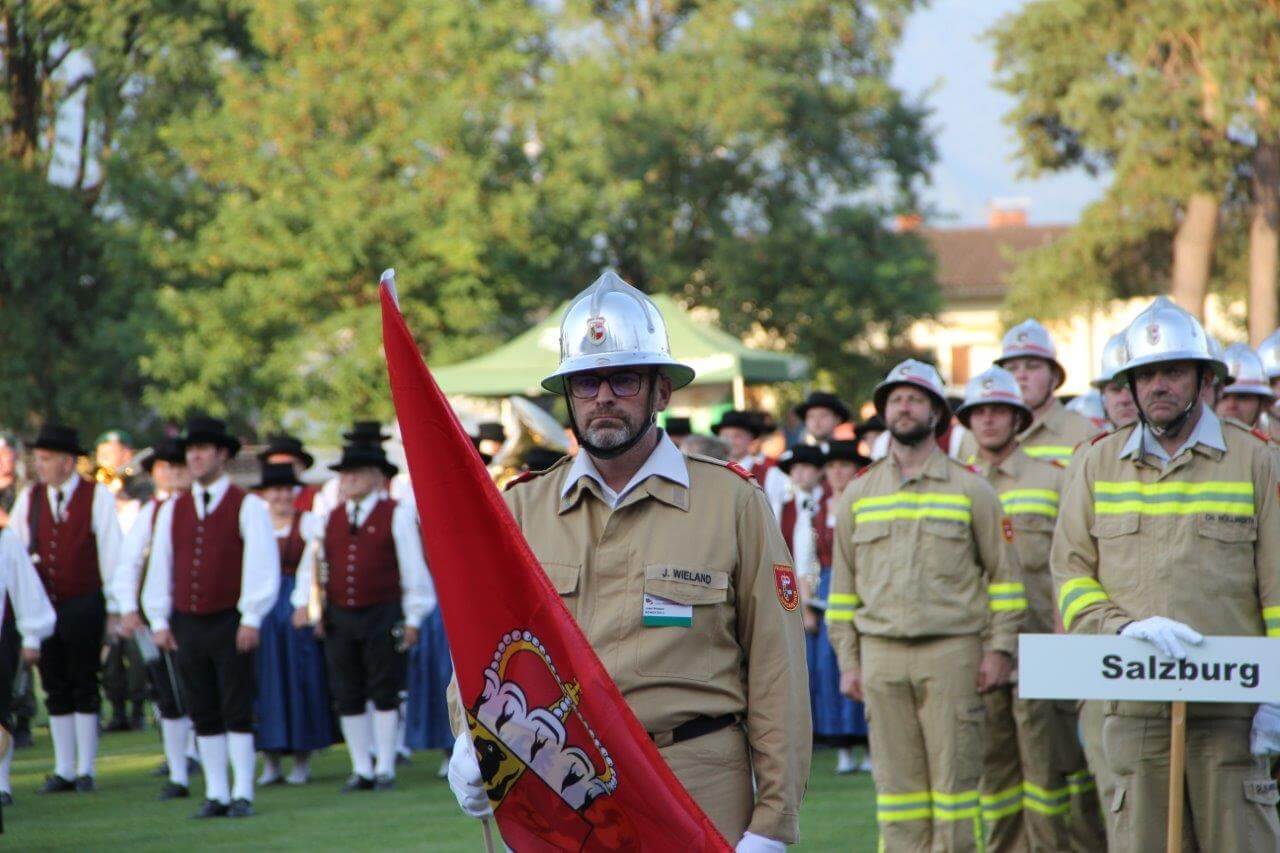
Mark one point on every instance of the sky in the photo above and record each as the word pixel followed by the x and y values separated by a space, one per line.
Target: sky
pixel 943 48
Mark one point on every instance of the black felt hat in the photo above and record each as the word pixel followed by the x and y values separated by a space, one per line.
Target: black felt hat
pixel 845 451
pixel 164 450
pixel 366 432
pixel 492 431
pixel 283 444
pixel 679 426
pixel 750 421
pixel 204 430
pixel 59 439
pixel 806 453
pixel 360 455
pixel 823 400
pixel 278 474
pixel 875 423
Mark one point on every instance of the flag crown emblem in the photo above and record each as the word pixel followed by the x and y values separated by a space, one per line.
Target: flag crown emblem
pixel 513 733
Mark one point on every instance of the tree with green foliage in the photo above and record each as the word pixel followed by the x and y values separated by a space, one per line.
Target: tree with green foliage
pixel 730 153
pixel 1173 98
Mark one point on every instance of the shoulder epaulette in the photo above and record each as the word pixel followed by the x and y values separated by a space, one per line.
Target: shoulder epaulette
pixel 522 477
pixel 861 471
pixel 1099 437
pixel 740 471
pixel 1058 463
pixel 1266 439
pixel 722 463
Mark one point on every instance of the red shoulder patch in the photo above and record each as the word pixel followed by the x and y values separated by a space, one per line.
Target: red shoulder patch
pixel 741 472
pixel 784 581
pixel 522 477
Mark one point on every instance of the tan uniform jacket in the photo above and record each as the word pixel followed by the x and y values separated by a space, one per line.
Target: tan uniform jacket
pixel 924 557
pixel 1198 542
pixel 713 546
pixel 1029 491
pixel 1056 435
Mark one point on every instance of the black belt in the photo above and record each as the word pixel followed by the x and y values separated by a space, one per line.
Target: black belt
pixel 697 727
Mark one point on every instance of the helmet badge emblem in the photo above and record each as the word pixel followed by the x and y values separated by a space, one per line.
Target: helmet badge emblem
pixel 1153 334
pixel 596 330
pixel 1021 338
pixel 988 384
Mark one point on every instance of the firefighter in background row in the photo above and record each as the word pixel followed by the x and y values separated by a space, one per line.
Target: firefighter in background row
pixel 1269 352
pixel 1027 351
pixel 1034 766
pixel 1248 397
pixel 1170 530
pixel 924 611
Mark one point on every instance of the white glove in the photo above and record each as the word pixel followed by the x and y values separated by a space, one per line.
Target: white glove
pixel 752 843
pixel 465 779
pixel 1264 737
pixel 1165 634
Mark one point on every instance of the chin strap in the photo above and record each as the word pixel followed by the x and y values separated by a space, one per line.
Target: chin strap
pixel 1177 423
pixel 613 452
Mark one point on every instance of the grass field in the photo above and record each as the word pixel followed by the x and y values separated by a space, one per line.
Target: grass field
pixel 419 815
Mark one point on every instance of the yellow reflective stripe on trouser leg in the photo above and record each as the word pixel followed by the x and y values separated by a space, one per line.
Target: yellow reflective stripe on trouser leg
pixel 964 805
pixel 1080 782
pixel 1271 616
pixel 1002 803
pixel 896 807
pixel 1053 802
pixel 1077 594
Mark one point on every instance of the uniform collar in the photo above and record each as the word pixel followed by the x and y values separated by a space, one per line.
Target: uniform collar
pixel 1051 421
pixel 1207 434
pixel 935 466
pixel 1011 466
pixel 666 469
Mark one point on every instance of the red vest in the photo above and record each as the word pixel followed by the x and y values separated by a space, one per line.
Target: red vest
pixel 823 533
pixel 291 548
pixel 305 500
pixel 788 524
pixel 68 551
pixel 363 568
pixel 208 555
pixel 758 469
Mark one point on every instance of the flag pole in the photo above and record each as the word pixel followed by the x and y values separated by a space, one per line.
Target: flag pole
pixel 1177 772
pixel 488 835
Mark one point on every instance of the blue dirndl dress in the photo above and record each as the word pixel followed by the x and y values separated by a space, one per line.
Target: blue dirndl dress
pixel 430 669
pixel 293 703
pixel 835 716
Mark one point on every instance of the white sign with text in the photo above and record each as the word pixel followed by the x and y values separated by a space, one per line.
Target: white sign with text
pixel 1221 669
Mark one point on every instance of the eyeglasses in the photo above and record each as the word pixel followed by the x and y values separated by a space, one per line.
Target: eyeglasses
pixel 585 386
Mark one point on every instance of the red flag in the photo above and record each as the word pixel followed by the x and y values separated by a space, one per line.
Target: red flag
pixel 566 764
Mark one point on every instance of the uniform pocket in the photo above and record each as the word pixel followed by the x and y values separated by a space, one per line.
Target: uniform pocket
pixel 944 550
pixel 1114 526
pixel 1227 529
pixel 678 650
pixel 563 576
pixel 1263 791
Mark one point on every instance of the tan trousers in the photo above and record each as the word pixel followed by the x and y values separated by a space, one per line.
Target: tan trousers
pixel 1091 719
pixel 1088 830
pixel 716 771
pixel 926 724
pixel 1026 795
pixel 1230 801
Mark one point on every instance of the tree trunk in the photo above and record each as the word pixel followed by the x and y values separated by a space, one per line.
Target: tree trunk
pixel 1264 241
pixel 1193 252
pixel 22 82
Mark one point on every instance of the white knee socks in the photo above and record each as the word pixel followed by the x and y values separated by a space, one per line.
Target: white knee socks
pixel 213 757
pixel 357 731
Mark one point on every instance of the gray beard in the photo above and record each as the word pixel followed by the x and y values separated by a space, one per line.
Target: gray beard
pixel 607 438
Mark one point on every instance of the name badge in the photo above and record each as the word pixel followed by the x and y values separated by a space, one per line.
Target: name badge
pixel 659 612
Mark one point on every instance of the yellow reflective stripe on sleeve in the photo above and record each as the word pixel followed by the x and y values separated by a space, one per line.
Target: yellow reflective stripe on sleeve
pixel 1271 616
pixel 955 806
pixel 1059 452
pixel 840 606
pixel 1002 803
pixel 1030 502
pixel 1052 802
pixel 909 505
pixel 1216 497
pixel 896 807
pixel 1077 594
pixel 1007 596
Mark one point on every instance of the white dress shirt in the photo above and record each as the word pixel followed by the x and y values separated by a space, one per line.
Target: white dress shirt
pixel 775 483
pixel 106 526
pixel 804 542
pixel 20 584
pixel 133 555
pixel 260 564
pixel 418 593
pixel 665 461
pixel 1208 431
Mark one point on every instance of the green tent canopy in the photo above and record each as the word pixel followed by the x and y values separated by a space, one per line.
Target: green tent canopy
pixel 518 366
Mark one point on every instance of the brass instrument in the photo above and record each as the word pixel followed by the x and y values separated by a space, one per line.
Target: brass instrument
pixel 527 426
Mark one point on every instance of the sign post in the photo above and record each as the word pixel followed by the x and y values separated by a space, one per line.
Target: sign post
pixel 1221 669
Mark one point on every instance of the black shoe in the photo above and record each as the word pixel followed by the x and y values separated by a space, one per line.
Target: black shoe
pixel 162 770
pixel 6 799
pixel 55 784
pixel 211 808
pixel 174 791
pixel 23 739
pixel 137 719
pixel 85 785
pixel 357 783
pixel 240 808
pixel 384 783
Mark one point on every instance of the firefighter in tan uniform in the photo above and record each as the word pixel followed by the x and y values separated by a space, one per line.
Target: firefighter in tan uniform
pixel 1170 529
pixel 1249 394
pixel 1269 352
pixel 924 611
pixel 1034 765
pixel 677 572
pixel 1027 351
